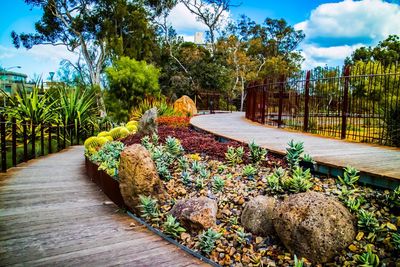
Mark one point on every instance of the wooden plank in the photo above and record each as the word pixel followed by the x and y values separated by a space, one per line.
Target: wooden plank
pixel 56 216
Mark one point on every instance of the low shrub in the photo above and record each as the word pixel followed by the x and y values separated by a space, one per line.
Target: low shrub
pixel 174 121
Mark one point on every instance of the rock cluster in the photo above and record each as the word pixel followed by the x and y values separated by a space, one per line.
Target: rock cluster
pixel 310 224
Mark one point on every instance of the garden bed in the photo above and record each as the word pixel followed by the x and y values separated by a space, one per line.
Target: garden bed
pixel 238 247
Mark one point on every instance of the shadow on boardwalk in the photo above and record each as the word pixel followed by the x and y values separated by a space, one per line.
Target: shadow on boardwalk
pixel 377 161
pixel 52 214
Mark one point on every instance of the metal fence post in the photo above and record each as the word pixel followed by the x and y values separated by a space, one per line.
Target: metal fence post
pixel 14 141
pixel 42 139
pixel 58 137
pixel 306 101
pixel 49 144
pixel 33 140
pixel 25 136
pixel 280 111
pixel 345 101
pixel 264 88
pixel 3 143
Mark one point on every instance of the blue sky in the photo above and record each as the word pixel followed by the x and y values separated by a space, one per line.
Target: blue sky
pixel 333 29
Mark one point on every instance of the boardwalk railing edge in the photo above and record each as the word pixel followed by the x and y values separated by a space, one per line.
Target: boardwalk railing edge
pixel 320 167
pixel 110 187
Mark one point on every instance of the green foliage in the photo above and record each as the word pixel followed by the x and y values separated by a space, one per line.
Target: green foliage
pixel 207 240
pixel 173 146
pixel 163 108
pixel 196 166
pixel 353 203
pixel 172 227
pixel 392 123
pixel 200 183
pixel 241 236
pixel 300 181
pixel 218 184
pixel 145 141
pixel 183 163
pixel 297 262
pixel 367 259
pixel 395 240
pixel 108 157
pixel 393 199
pixel 221 168
pixel 130 82
pixel 249 171
pixel 308 158
pixel 163 170
pixel 367 221
pixel 257 154
pixel 204 173
pixel 234 155
pixel 350 176
pixel 276 180
pixel 186 180
pixel 149 208
pixel 294 152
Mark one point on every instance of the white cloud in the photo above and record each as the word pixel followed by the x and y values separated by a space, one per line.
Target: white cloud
pixel 41 59
pixel 186 23
pixel 334 30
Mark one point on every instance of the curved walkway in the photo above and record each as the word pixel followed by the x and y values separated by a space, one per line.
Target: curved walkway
pixel 372 160
pixel 51 214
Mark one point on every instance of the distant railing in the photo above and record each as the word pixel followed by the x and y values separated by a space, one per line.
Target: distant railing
pixel 360 103
pixel 22 141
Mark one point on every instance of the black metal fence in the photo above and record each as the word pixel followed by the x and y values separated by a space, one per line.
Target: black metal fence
pixel 360 103
pixel 22 141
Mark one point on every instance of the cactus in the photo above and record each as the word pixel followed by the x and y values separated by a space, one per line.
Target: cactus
pixel 93 144
pixel 119 132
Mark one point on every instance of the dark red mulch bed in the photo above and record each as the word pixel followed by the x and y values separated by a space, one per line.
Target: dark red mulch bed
pixel 201 143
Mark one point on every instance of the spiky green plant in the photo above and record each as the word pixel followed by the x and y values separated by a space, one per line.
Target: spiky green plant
pixel 108 157
pixel 294 152
pixel 196 166
pixel 221 168
pixel 249 171
pixel 183 163
pixel 393 199
pixel 353 203
pixel 297 262
pixel 146 142
pixel 395 240
pixel 172 227
pixel 173 146
pixel 350 176
pixel 163 108
pixel 163 171
pixel 218 184
pixel 207 240
pixel 241 236
pixel 367 259
pixel 308 158
pixel 119 133
pixel 276 179
pixel 149 208
pixel 154 139
pixel 93 144
pixel 186 180
pixel 257 154
pixel 204 173
pixel 200 183
pixel 234 155
pixel 300 180
pixel 367 221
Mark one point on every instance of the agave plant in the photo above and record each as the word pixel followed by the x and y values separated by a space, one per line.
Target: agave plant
pixel 257 154
pixel 172 227
pixel 207 240
pixel 350 176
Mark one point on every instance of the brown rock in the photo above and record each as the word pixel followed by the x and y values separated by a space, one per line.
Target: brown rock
pixel 185 105
pixel 314 226
pixel 138 176
pixel 257 215
pixel 196 213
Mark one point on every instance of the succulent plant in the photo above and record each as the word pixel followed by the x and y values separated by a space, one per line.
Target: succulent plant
pixel 196 166
pixel 241 236
pixel 200 183
pixel 294 152
pixel 183 163
pixel 297 262
pixel 367 259
pixel 207 240
pixel 173 146
pixel 234 155
pixel 300 180
pixel 249 171
pixel 186 180
pixel 149 208
pixel 204 173
pixel 257 154
pixel 350 176
pixel 367 221
pixel 308 158
pixel 275 180
pixel 119 132
pixel 93 144
pixel 172 227
pixel 163 171
pixel 395 240
pixel 218 184
pixel 353 203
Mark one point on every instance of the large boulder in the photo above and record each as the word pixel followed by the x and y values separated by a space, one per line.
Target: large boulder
pixel 185 105
pixel 148 122
pixel 138 176
pixel 196 213
pixel 257 215
pixel 314 226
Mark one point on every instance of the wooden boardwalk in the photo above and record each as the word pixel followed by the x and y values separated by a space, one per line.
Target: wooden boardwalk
pixel 51 214
pixel 376 161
